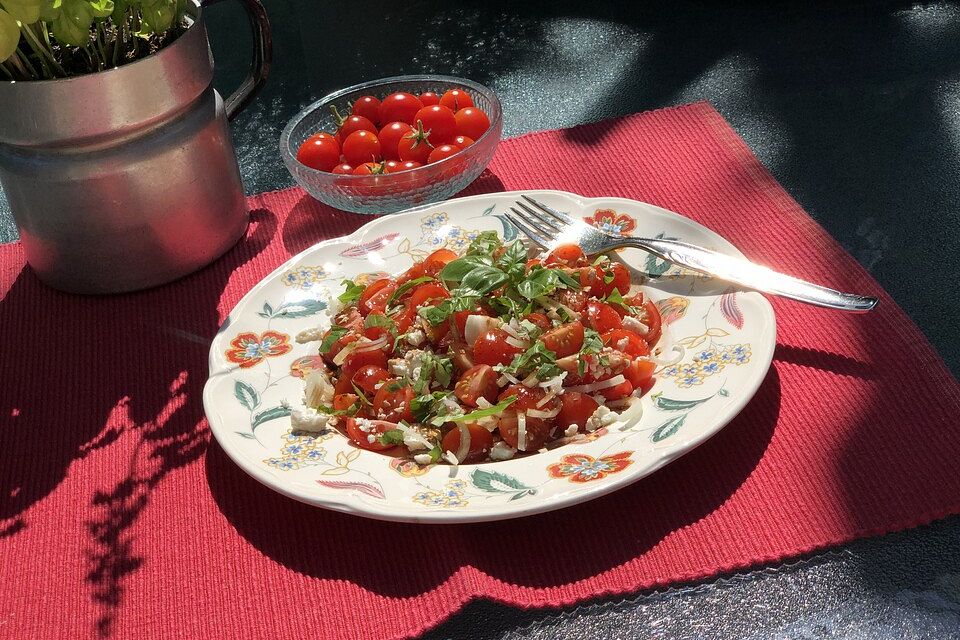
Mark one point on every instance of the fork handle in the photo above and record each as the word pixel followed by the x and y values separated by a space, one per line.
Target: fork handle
pixel 752 276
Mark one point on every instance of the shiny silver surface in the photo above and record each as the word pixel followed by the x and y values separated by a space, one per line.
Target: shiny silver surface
pixel 548 226
pixel 127 178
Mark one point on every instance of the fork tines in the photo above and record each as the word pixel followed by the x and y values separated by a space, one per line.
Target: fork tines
pixel 541 228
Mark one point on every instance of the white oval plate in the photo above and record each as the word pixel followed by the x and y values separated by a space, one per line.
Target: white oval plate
pixel 256 371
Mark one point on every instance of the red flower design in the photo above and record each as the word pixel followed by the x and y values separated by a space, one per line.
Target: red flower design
pixel 301 367
pixel 250 348
pixel 612 222
pixel 579 467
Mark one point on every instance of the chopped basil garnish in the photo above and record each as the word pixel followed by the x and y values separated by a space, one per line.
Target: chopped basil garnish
pixel 406 286
pixel 336 332
pixel 352 293
pixel 380 320
pixel 394 436
pixel 474 415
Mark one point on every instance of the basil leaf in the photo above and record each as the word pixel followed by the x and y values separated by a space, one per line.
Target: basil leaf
pixel 406 286
pixel 614 297
pixel 513 261
pixel 483 279
pixel 435 454
pixel 352 293
pixel 461 300
pixel 607 277
pixel 485 244
pixel 336 332
pixel 591 342
pixel 455 270
pixel 380 320
pixel 474 415
pixel 536 355
pixel 394 436
pixel 426 405
pixel 330 411
pixel 566 279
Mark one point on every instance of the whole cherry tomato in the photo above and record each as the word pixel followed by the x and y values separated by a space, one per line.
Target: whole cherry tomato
pixel 442 152
pixel 400 107
pixel 472 122
pixel 428 98
pixel 320 151
pixel 369 169
pixel 389 137
pixel 399 166
pixel 361 146
pixel 439 122
pixel 415 145
pixel 343 169
pixel 456 99
pixel 355 123
pixel 463 141
pixel 368 107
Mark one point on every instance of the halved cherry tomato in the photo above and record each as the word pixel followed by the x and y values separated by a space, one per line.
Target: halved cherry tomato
pixel 404 318
pixel 626 341
pixel 374 297
pixel 427 293
pixel 639 373
pixel 399 107
pixel 569 255
pixel 392 401
pixel 360 147
pixel 350 318
pixel 366 433
pixel 456 99
pixel 492 348
pixel 360 358
pixel 431 266
pixel 459 319
pixel 621 278
pixel 461 356
pixel 602 317
pixel 343 401
pixel 653 321
pixel 572 299
pixel 481 441
pixel 617 392
pixel 428 98
pixel 542 321
pixel 368 107
pixel 480 381
pixel 538 429
pixel 368 378
pixel 576 409
pixel 564 340
pixel 338 346
pixel 471 122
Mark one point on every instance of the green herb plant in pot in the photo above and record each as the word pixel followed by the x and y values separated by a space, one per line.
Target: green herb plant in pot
pixel 115 153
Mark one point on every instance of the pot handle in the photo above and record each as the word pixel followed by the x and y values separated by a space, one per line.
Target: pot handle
pixel 262 57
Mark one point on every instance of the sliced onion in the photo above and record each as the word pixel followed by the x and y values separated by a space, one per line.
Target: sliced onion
pixel 521 432
pixel 450 457
pixel 346 351
pixel 537 413
pixel 545 399
pixel 505 378
pixel 509 329
pixel 519 344
pixel 530 381
pixel 622 403
pixel 483 403
pixel 464 447
pixel 597 386
pixel 477 324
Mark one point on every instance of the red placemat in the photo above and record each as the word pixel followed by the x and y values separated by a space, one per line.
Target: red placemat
pixel 120 517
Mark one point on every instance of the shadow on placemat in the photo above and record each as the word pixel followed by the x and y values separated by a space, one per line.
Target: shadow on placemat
pixel 608 531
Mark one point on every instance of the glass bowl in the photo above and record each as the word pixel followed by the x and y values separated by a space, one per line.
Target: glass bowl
pixel 392 192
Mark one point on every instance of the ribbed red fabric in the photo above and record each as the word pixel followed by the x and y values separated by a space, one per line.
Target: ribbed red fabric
pixel 119 517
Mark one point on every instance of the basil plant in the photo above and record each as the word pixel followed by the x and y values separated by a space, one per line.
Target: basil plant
pixel 46 39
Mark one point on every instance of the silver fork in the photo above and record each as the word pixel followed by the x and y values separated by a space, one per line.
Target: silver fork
pixel 548 227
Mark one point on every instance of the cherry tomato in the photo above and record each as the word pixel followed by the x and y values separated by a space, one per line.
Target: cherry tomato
pixel 481 441
pixel 393 401
pixel 320 152
pixel 653 321
pixel 368 107
pixel 437 333
pixel 439 123
pixel 368 377
pixel 360 358
pixel 602 317
pixel 427 293
pixel 428 98
pixel 480 381
pixel 343 169
pixel 617 392
pixel 455 99
pixel 404 318
pixel 360 147
pixel 463 141
pixel 461 356
pixel 472 122
pixel 576 409
pixel 350 318
pixel 639 373
pixel 572 299
pixel 569 255
pixel 626 341
pixel 360 432
pixel 565 340
pixel 442 152
pixel 592 281
pixel 538 429
pixel 375 296
pixel 338 346
pixel 400 107
pixel 343 401
pixel 492 348
pixel 403 166
pixel 355 123
pixel 390 136
pixel 414 145
pixel 432 265
pixel 369 169
pixel 621 278
pixel 542 321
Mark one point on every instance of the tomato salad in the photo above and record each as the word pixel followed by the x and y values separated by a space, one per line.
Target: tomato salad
pixel 477 357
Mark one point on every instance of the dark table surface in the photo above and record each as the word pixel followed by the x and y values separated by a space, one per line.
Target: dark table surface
pixel 854 107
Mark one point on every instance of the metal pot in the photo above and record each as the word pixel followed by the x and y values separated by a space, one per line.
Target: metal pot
pixel 127 178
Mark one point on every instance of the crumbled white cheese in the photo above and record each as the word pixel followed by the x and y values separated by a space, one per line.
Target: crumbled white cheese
pixel 413 439
pixel 632 324
pixel 398 366
pixel 450 457
pixel 416 337
pixel 310 335
pixel 602 417
pixel 371 438
pixel 422 458
pixel 502 451
pixel 308 420
pixel 317 389
pixel 409 365
pixel 571 431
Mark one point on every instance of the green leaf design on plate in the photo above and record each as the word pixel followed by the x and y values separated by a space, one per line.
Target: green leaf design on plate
pixel 270 414
pixel 668 428
pixel 488 481
pixel 723 392
pixel 299 309
pixel 654 266
pixel 521 494
pixel 246 394
pixel 509 231
pixel 267 311
pixel 670 404
pixel 248 436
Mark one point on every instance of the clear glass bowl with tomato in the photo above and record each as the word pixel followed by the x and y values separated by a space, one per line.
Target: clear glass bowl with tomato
pixel 446 173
